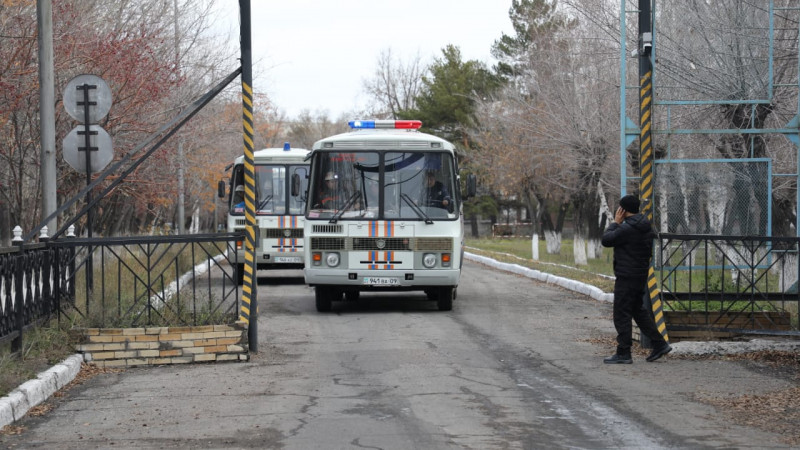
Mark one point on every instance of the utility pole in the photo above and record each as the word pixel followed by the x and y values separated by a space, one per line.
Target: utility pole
pixel 47 114
pixel 181 190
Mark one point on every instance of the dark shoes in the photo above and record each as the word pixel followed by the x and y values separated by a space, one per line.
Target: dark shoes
pixel 659 352
pixel 618 359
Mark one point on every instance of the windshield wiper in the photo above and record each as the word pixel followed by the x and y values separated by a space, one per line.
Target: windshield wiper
pixel 416 208
pixel 263 203
pixel 344 208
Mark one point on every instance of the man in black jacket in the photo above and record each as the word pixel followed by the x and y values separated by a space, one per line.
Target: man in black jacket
pixel 435 194
pixel 632 238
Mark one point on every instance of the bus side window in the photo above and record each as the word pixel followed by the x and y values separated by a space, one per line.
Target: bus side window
pixel 298 190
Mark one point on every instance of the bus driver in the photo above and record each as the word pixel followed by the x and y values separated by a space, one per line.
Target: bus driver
pixel 435 193
pixel 331 196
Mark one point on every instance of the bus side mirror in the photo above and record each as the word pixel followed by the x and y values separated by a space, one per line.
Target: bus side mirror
pixel 472 185
pixel 295 185
pixel 221 189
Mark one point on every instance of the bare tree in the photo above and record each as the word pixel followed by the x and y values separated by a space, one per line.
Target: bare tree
pixel 309 127
pixel 559 109
pixel 394 85
pixel 153 72
pixel 720 54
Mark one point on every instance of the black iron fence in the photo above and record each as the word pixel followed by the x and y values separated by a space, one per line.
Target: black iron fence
pixel 732 284
pixel 26 289
pixel 119 282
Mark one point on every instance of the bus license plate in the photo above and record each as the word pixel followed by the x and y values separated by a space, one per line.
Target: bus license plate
pixel 382 281
pixel 287 259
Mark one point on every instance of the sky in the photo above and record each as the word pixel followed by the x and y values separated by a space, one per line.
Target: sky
pixel 316 54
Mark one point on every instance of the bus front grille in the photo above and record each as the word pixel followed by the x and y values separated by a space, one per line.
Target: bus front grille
pixel 281 233
pixel 327 229
pixel 433 244
pixel 381 243
pixel 327 243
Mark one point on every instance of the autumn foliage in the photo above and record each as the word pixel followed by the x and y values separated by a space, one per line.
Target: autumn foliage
pixel 156 63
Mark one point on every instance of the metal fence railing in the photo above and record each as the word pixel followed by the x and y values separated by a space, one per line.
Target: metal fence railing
pixel 742 285
pixel 119 282
pixel 27 276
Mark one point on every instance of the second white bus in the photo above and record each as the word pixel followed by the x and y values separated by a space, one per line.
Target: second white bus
pixel 281 182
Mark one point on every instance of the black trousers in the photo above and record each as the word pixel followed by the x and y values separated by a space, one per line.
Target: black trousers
pixel 629 295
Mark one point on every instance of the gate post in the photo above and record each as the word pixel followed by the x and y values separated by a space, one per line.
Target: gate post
pixel 249 312
pixel 46 271
pixel 653 295
pixel 19 297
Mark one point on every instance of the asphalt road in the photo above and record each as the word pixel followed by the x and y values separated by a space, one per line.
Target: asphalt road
pixel 515 365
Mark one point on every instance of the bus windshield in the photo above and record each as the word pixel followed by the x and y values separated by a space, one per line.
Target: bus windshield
pixel 274 195
pixel 384 185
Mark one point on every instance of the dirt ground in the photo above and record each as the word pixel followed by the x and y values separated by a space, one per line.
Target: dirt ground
pixel 775 411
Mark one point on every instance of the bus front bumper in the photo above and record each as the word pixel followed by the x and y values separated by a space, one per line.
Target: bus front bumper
pixel 382 279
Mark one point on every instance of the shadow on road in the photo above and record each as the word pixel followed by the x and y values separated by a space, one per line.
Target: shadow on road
pixel 367 302
pixel 382 302
pixel 278 277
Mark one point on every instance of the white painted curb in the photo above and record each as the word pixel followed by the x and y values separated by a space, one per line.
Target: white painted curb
pixel 575 286
pixel 29 394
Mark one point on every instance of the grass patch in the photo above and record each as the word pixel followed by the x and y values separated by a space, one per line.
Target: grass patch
pixel 519 251
pixel 135 286
pixel 523 249
pixel 42 348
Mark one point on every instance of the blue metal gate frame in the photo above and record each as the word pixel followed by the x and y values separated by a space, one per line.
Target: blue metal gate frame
pixel 630 131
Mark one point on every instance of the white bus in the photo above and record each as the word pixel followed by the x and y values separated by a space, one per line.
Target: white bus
pixel 384 213
pixel 281 183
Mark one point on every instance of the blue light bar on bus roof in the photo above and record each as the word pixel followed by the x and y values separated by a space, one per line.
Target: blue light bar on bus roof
pixel 286 147
pixel 391 124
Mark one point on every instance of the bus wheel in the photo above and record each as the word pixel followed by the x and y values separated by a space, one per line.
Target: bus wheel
pixel 445 299
pixel 323 298
pixel 240 274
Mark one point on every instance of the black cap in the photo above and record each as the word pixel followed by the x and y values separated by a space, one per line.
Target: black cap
pixel 630 203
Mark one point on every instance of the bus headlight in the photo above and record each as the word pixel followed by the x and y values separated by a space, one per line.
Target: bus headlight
pixel 332 259
pixel 429 260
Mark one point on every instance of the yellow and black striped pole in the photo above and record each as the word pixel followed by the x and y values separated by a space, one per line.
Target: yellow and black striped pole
pixel 249 308
pixel 646 151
